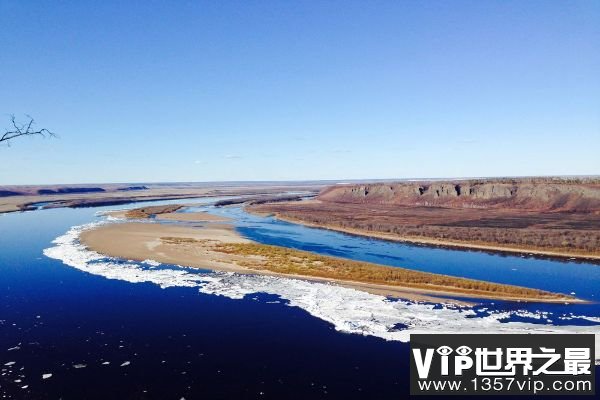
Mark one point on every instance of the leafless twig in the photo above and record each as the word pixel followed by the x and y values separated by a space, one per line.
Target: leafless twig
pixel 23 129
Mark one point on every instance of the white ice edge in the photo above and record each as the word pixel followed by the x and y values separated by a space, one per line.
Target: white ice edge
pixel 348 310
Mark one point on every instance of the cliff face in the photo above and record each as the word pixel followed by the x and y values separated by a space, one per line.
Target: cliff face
pixel 531 194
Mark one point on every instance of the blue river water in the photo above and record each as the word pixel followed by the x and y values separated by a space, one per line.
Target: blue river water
pixel 107 338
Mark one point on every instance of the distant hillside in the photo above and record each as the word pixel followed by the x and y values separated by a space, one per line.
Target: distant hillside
pixel 6 193
pixel 540 194
pixel 67 190
pixel 46 190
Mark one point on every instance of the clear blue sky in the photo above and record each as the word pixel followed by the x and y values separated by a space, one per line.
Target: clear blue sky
pixel 259 90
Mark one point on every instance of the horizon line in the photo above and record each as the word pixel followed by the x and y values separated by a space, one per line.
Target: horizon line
pixel 306 181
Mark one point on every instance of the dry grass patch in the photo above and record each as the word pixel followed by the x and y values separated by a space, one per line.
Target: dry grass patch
pixel 295 262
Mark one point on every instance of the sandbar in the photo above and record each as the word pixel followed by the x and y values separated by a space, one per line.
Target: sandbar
pixel 217 246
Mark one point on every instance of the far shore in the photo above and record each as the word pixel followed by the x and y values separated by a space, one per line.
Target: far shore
pixel 217 246
pixel 429 241
pixel 32 197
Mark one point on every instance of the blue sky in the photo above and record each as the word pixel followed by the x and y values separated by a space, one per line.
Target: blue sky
pixel 283 90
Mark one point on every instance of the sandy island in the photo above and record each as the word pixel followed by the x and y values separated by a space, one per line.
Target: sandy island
pixel 167 212
pixel 216 245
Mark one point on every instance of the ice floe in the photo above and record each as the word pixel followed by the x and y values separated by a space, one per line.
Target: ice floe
pixel 151 263
pixel 348 310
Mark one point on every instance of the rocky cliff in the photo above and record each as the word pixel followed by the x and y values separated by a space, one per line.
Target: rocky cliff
pixel 523 194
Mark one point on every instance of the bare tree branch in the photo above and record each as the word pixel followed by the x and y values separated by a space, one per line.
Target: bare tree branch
pixel 24 129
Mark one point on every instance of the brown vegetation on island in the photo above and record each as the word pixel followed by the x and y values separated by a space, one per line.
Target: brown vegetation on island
pixel 147 212
pixel 281 260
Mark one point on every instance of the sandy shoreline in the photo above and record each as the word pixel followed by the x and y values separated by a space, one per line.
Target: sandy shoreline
pixel 433 242
pixel 140 241
pixel 194 247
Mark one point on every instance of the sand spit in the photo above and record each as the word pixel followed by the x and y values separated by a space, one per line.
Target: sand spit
pixel 217 246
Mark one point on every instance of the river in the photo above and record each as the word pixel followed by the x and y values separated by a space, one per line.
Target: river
pixel 106 328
